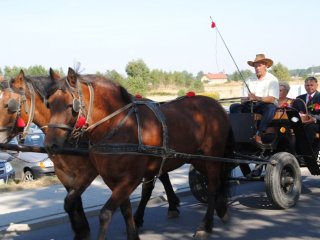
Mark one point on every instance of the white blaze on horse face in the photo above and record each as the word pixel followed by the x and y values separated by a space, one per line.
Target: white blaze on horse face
pixel 1 94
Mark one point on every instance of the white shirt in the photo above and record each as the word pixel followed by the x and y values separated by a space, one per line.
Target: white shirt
pixel 264 87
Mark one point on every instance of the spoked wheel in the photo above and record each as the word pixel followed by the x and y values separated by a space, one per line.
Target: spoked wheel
pixel 198 185
pixel 283 180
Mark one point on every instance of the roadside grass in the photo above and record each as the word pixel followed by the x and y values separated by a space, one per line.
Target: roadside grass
pixel 13 186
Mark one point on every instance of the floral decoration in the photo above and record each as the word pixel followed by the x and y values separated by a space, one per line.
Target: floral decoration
pixel 314 107
pixel 284 105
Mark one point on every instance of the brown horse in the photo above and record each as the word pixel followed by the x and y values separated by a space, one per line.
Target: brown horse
pixel 29 95
pixel 25 98
pixel 125 135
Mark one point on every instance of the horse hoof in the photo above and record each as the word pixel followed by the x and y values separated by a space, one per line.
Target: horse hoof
pixel 225 218
pixel 173 214
pixel 201 235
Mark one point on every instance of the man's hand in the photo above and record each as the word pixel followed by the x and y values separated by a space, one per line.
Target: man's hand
pixel 252 97
pixel 308 119
pixel 244 99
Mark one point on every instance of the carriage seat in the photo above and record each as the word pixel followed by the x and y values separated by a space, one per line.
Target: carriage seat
pixel 277 116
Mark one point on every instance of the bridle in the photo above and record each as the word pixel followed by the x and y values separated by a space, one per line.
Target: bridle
pixel 79 108
pixel 14 106
pixel 77 132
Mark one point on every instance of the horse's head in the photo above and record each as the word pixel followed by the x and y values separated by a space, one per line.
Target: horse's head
pixel 17 102
pixel 64 105
pixel 10 104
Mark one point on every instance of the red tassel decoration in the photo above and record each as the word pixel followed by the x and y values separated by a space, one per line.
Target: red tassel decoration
pixel 138 96
pixel 190 94
pixel 81 122
pixel 20 123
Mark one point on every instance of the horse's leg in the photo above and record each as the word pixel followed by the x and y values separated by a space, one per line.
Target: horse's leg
pixel 173 200
pixel 205 228
pixel 222 196
pixel 146 192
pixel 73 206
pixel 106 215
pixel 147 188
pixel 126 211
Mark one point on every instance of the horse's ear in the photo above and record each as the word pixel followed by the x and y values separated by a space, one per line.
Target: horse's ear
pixel 19 80
pixel 54 75
pixel 72 77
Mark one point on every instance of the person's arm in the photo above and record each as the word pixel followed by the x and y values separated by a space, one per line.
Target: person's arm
pixel 268 99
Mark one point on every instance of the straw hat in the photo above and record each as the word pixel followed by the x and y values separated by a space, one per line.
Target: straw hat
pixel 262 59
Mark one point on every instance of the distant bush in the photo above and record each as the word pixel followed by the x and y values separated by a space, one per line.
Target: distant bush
pixel 214 95
pixel 181 92
pixel 161 94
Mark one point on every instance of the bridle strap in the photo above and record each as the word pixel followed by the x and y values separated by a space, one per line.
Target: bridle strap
pixel 61 126
pixel 32 109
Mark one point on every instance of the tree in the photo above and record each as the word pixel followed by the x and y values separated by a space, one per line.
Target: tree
pixel 37 70
pixel 115 76
pixel 137 69
pixel 281 72
pixel 136 85
pixel 235 76
pixel 199 75
pixel 156 77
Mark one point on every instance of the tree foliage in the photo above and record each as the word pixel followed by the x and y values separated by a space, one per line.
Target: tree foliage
pixel 281 72
pixel 115 76
pixel 236 76
pixel 37 70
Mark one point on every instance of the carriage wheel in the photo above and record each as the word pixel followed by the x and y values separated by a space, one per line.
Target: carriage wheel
pixel 198 185
pixel 283 180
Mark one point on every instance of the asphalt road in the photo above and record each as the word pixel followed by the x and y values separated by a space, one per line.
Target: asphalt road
pixel 252 217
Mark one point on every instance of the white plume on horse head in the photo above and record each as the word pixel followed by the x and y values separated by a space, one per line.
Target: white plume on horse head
pixel 77 67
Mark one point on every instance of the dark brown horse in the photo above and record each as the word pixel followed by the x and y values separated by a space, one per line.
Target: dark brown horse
pixel 25 98
pixel 125 135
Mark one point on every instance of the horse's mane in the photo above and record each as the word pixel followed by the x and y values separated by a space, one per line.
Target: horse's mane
pixel 94 79
pixel 41 84
pixel 4 84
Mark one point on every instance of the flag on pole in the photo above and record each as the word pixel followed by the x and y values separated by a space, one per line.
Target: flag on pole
pixel 213 25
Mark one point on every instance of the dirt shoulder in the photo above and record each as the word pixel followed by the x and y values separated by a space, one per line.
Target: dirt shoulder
pixel 13 186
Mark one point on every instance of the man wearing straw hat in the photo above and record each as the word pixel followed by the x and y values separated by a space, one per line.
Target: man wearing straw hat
pixel 263 91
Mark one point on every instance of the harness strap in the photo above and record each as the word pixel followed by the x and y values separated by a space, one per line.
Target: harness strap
pixel 109 116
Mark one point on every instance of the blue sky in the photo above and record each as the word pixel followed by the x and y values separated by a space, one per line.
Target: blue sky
pixel 168 34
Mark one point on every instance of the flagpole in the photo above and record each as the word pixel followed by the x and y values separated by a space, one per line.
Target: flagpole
pixel 213 25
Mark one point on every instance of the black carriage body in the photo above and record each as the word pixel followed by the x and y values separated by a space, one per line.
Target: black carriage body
pixel 286 134
pixel 287 150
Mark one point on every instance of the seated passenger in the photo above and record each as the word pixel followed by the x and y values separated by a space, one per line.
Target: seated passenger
pixel 284 89
pixel 262 96
pixel 309 104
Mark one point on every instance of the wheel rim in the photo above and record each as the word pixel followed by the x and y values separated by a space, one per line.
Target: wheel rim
pixel 287 179
pixel 28 177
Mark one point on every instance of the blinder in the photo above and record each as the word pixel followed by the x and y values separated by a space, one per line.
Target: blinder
pixel 76 105
pixel 13 105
